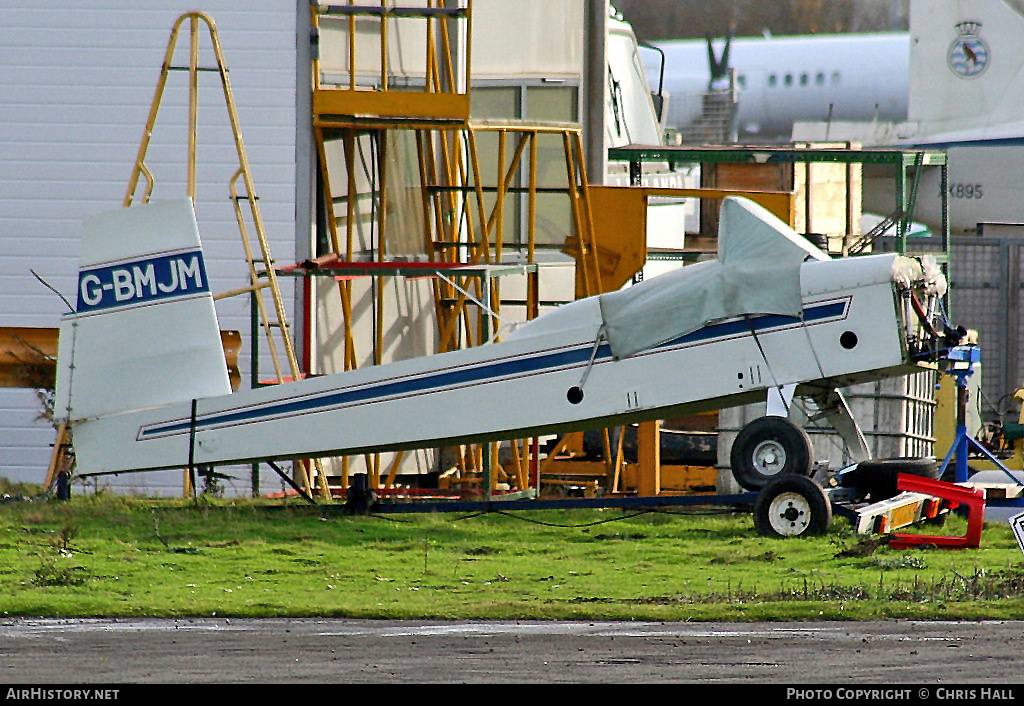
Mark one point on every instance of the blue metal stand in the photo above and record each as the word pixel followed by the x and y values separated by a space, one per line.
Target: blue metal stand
pixel 962 360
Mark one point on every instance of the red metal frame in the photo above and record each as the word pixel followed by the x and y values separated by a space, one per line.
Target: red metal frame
pixel 973 498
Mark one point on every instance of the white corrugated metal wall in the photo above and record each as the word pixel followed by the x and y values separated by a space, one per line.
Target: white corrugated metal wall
pixel 77 81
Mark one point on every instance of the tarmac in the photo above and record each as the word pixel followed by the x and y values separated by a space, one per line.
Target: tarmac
pixel 830 655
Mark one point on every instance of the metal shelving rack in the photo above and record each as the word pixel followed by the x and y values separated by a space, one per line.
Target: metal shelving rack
pixel 906 167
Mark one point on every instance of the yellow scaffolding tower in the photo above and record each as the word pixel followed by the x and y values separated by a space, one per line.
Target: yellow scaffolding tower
pixel 360 97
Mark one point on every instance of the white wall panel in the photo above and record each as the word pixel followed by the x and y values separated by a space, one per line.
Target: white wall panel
pixel 76 83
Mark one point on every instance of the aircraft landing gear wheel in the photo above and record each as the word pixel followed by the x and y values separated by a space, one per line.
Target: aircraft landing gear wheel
pixel 767 448
pixel 792 506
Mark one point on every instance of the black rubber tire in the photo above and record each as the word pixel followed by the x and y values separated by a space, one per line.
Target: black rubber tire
pixel 877 478
pixel 767 448
pixel 792 506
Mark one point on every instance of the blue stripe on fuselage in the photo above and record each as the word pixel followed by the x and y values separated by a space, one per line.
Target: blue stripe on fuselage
pixel 483 373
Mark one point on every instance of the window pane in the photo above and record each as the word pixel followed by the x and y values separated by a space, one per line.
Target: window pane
pixel 551 103
pixel 494 102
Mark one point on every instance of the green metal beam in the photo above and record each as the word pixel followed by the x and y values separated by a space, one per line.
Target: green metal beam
pixel 772 155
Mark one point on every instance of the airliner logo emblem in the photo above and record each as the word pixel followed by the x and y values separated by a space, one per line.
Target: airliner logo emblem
pixel 968 54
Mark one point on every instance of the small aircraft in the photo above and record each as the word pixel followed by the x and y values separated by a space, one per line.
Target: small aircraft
pixel 143 384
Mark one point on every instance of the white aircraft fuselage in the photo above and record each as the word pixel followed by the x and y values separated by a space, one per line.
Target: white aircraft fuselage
pixel 151 408
pixel 783 80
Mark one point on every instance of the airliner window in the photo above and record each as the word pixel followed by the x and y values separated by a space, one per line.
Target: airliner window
pixel 772 80
pixel 819 79
pixel 788 80
pixel 741 81
pixel 835 78
pixel 803 79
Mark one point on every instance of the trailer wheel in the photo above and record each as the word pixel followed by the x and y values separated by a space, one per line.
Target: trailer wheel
pixel 877 478
pixel 791 506
pixel 769 447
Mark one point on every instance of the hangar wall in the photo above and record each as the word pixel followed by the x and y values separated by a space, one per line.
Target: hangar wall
pixel 77 83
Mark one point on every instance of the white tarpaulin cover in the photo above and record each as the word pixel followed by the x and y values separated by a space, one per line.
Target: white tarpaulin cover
pixel 757 272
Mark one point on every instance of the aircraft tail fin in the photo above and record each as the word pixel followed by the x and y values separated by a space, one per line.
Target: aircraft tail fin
pixel 144 331
pixel 965 69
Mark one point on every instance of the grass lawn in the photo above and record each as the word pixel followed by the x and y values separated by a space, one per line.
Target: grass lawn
pixel 108 555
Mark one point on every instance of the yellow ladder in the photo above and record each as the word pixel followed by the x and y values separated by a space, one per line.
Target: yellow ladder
pixel 262 275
